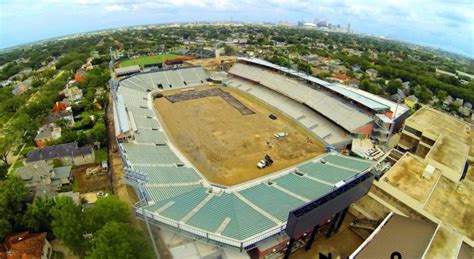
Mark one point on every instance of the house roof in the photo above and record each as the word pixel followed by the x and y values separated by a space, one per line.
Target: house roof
pixel 342 77
pixel 34 172
pixel 57 151
pixel 25 245
pixel 59 107
pixel 55 116
pixel 62 172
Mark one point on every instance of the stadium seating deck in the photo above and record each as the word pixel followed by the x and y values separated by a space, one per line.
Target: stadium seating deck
pixel 145 135
pixel 164 193
pixel 244 220
pixel 352 162
pixel 180 194
pixel 272 200
pixel 169 174
pixel 303 186
pixel 182 204
pixel 325 172
pixel 140 154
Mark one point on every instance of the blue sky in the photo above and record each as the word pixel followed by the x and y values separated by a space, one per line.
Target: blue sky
pixel 446 24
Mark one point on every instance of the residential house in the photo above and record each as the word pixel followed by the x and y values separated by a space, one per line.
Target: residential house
pixel 459 101
pixel 26 245
pixel 341 78
pixel 372 73
pixel 406 86
pixel 66 116
pixel 5 83
pixel 47 133
pixel 355 68
pixel 59 107
pixel 411 101
pixel 71 94
pixel 45 179
pixel 22 87
pixel 68 154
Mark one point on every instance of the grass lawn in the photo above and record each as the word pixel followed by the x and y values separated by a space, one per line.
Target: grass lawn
pixel 146 60
pixel 100 155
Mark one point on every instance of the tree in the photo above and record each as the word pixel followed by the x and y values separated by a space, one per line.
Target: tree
pixel 393 86
pixel 12 194
pixel 442 94
pixel 68 225
pixel 108 209
pixel 119 240
pixel 38 214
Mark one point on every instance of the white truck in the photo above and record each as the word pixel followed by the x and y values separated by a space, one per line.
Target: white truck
pixel 262 164
pixel 280 134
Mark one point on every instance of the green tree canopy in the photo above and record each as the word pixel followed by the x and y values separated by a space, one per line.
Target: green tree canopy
pixel 119 240
pixel 38 214
pixel 12 194
pixel 68 225
pixel 105 210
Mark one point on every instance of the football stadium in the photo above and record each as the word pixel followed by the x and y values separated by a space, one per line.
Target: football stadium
pixel 247 157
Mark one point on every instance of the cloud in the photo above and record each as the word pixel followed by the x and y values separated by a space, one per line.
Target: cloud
pixel 412 20
pixel 114 8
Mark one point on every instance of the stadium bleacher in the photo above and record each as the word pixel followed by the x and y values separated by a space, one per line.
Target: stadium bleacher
pixel 344 115
pixel 323 128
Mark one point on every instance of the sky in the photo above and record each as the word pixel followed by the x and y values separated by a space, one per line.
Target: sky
pixel 445 24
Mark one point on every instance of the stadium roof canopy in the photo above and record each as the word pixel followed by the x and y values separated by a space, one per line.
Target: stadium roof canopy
pixel 127 70
pixel 354 96
pixel 239 216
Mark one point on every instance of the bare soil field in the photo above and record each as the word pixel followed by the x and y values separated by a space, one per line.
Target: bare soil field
pixel 98 182
pixel 225 145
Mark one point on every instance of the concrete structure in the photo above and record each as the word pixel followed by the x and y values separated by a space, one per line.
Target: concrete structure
pixel 433 198
pixel 397 235
pixel 443 141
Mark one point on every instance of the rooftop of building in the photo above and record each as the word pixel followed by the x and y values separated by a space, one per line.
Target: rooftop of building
pixel 437 197
pixel 410 238
pixel 57 151
pixel 24 245
pixel 453 137
pixel 431 121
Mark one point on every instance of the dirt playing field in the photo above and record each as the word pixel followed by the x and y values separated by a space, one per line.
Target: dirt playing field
pixel 225 145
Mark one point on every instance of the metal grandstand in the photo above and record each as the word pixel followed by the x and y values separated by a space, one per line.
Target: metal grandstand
pixel 179 197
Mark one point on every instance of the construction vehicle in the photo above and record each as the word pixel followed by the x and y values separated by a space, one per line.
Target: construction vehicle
pixel 267 161
pixel 280 134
